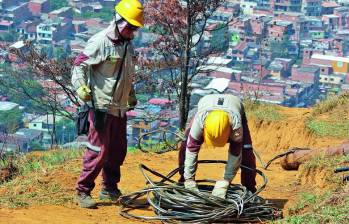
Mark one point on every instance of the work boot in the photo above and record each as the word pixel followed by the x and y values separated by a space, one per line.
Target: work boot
pixel 85 200
pixel 110 195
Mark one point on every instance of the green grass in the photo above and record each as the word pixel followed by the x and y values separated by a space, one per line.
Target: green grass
pixel 330 206
pixel 330 117
pixel 47 160
pixel 327 208
pixel 262 111
pixel 327 162
pixel 328 128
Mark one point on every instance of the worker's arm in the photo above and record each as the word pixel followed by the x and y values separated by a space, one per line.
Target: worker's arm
pixel 233 163
pixel 194 142
pixel 89 57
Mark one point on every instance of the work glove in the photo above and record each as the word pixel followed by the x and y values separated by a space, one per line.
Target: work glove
pixel 191 185
pixel 84 93
pixel 220 189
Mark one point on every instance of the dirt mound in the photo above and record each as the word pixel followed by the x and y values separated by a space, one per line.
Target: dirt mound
pixel 269 137
pixel 278 136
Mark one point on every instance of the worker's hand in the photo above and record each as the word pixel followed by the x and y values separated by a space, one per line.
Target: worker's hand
pixel 84 93
pixel 191 185
pixel 220 189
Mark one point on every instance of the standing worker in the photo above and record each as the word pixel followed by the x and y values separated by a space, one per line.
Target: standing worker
pixel 102 77
pixel 220 119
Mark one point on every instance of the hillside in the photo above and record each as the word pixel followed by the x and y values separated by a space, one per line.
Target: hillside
pixel 45 193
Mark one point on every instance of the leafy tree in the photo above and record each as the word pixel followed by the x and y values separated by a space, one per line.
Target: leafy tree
pixel 36 145
pixel 58 4
pixel 8 36
pixel 65 130
pixel 10 120
pixel 280 49
pixel 60 53
pixel 220 38
pixel 18 91
pixel 105 14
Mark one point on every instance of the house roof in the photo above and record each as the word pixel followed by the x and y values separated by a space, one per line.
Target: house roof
pixel 219 84
pixel 329 4
pixel 218 60
pixel 28 133
pixel 5 106
pixel 38 1
pixel 308 69
pixel 330 58
pixel 158 101
pixel 46 119
pixel 5 23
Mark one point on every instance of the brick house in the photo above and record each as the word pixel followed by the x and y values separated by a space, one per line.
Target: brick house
pixel 277 29
pixel 305 74
pixel 17 13
pixel 52 31
pixel 65 12
pixel 27 29
pixel 36 7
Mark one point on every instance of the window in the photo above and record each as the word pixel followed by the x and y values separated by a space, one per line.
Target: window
pixel 331 79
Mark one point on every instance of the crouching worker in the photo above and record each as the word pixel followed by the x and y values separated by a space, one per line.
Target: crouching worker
pixel 220 119
pixel 102 76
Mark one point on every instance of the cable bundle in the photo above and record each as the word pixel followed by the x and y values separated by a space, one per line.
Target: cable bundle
pixel 172 203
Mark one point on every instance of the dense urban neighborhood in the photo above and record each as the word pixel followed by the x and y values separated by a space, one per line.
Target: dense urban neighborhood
pixel 287 52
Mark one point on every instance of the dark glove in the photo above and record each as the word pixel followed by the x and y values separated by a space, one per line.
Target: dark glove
pixel 132 100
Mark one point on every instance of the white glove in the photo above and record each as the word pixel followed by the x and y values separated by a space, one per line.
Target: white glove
pixel 220 189
pixel 191 185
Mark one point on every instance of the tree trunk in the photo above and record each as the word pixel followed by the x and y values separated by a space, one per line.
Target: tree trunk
pixel 184 99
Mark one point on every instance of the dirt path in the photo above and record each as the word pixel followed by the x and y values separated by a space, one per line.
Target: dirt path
pixel 281 190
pixel 270 138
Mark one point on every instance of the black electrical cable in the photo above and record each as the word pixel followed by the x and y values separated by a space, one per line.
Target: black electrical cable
pixel 172 203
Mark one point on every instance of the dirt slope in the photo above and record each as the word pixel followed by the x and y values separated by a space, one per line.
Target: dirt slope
pixel 269 138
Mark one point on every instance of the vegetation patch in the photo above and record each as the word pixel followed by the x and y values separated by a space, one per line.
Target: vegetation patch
pixel 330 103
pixel 323 161
pixel 329 128
pixel 330 117
pixel 38 179
pixel 330 207
pixel 262 111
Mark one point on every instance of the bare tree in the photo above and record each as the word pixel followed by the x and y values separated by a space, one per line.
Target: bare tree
pixel 181 26
pixel 34 69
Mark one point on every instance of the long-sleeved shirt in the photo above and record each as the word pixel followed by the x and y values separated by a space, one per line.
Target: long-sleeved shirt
pixel 233 106
pixel 97 67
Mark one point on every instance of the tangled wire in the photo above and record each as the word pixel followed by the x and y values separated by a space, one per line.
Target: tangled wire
pixel 172 203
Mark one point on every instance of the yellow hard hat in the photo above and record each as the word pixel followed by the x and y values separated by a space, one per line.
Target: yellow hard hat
pixel 217 128
pixel 131 11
